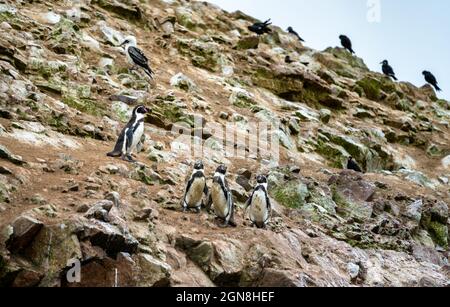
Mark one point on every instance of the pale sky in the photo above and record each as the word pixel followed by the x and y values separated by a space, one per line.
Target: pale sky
pixel 413 35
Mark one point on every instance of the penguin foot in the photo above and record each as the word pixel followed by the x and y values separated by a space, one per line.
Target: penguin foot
pixel 198 210
pixel 128 158
pixel 223 225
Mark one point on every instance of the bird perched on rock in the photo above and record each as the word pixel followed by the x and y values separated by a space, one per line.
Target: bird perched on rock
pixel 291 31
pixel 352 165
pixel 135 56
pixel 220 198
pixel 196 188
pixel 346 43
pixel 261 28
pixel 288 60
pixel 258 204
pixel 131 135
pixel 387 70
pixel 430 78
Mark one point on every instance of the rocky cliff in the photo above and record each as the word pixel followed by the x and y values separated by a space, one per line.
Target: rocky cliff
pixel 66 91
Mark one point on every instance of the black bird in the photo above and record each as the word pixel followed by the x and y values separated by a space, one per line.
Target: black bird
pixel 352 165
pixel 291 30
pixel 387 70
pixel 430 78
pixel 346 43
pixel 135 56
pixel 261 28
pixel 288 60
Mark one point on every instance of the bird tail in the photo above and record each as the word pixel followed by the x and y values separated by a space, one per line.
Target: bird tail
pixel 149 72
pixel 437 88
pixel 268 22
pixel 394 77
pixel 352 51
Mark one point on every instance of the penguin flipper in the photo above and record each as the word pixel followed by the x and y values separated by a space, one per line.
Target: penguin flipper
pixel 209 202
pixel 117 151
pixel 129 140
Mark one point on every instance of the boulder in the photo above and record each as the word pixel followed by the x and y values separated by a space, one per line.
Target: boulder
pixel 25 229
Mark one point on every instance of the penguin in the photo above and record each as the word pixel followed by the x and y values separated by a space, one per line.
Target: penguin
pixel 388 70
pixel 258 205
pixel 195 189
pixel 135 56
pixel 352 165
pixel 220 198
pixel 131 135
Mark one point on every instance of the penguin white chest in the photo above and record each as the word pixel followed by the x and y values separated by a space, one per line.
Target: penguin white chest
pixel 195 194
pixel 219 201
pixel 258 208
pixel 137 136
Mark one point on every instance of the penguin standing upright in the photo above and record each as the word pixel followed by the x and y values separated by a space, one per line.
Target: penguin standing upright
pixel 258 205
pixel 131 135
pixel 195 189
pixel 220 197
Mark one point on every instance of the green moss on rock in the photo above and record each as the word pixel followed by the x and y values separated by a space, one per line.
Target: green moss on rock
pixel 290 194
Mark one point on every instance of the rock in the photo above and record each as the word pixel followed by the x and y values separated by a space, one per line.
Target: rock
pixel 446 163
pixel 203 54
pixel 7 155
pixel 114 197
pixel 224 115
pixel 153 272
pixel 353 270
pixel 352 195
pixel 27 279
pixel 248 42
pixel 290 194
pixel 244 182
pixel 108 237
pixel 100 211
pixel 427 254
pixel 280 278
pixel 50 18
pixel 414 210
pixel 25 229
pixel 242 98
pixel 53 247
pixel 131 12
pixel 83 208
pixel 183 82
pixel 106 272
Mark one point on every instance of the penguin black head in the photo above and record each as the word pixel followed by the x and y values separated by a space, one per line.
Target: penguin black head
pixel 222 169
pixel 261 179
pixel 199 165
pixel 140 110
pixel 350 158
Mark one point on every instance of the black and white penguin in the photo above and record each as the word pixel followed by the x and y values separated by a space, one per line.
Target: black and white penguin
pixel 195 189
pixel 131 135
pixel 220 197
pixel 135 56
pixel 258 205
